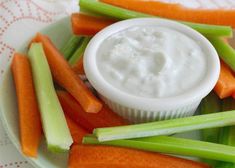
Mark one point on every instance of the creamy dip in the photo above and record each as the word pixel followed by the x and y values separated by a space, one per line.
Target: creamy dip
pixel 151 61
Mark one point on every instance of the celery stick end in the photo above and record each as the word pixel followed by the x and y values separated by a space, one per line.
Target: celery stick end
pixel 57 149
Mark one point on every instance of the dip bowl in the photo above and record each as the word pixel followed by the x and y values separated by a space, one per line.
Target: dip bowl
pixel 138 109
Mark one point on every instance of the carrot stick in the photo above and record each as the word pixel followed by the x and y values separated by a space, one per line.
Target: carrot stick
pixel 76 131
pixel 67 78
pixel 116 157
pixel 225 85
pixel 78 67
pixel 118 13
pixel 172 145
pixel 178 12
pixel 29 116
pixel 89 121
pixel 88 25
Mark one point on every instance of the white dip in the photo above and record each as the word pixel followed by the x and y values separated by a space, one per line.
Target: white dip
pixel 151 61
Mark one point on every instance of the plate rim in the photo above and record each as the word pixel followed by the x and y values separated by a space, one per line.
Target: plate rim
pixel 16 143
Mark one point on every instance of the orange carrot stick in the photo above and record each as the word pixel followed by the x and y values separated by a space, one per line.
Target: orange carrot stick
pixel 225 85
pixel 76 131
pixel 178 12
pixel 89 121
pixel 29 116
pixel 106 157
pixel 88 25
pixel 78 67
pixel 66 77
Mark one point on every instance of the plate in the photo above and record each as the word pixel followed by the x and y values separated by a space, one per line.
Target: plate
pixel 59 32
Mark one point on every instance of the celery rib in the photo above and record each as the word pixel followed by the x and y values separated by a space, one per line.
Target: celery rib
pixel 224 50
pixel 120 14
pixel 70 46
pixel 227 134
pixel 53 120
pixel 227 137
pixel 173 145
pixel 166 127
pixel 210 104
pixel 79 51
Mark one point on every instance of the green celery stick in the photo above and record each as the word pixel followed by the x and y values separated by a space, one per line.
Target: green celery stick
pixel 120 14
pixel 110 10
pixel 224 50
pixel 166 127
pixel 211 30
pixel 227 137
pixel 54 124
pixel 227 134
pixel 210 104
pixel 173 145
pixel 71 45
pixel 80 50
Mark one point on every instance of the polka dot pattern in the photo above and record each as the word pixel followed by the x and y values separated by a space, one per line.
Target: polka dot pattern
pixel 15 12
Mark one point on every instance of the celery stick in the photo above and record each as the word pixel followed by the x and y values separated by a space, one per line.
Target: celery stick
pixel 71 45
pixel 211 30
pixel 54 124
pixel 166 127
pixel 120 14
pixel 225 51
pixel 210 104
pixel 110 10
pixel 227 137
pixel 80 50
pixel 173 145
pixel 227 134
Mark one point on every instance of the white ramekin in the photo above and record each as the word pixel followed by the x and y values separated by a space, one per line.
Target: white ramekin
pixel 140 109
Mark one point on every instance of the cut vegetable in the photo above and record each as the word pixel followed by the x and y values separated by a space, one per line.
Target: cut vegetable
pixel 29 115
pixel 54 124
pixel 79 51
pixel 178 12
pixel 166 127
pixel 78 67
pixel 233 95
pixel 88 25
pixel 116 157
pixel 225 85
pixel 224 50
pixel 67 78
pixel 76 131
pixel 173 145
pixel 210 104
pixel 120 13
pixel 71 45
pixel 104 118
pixel 227 134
